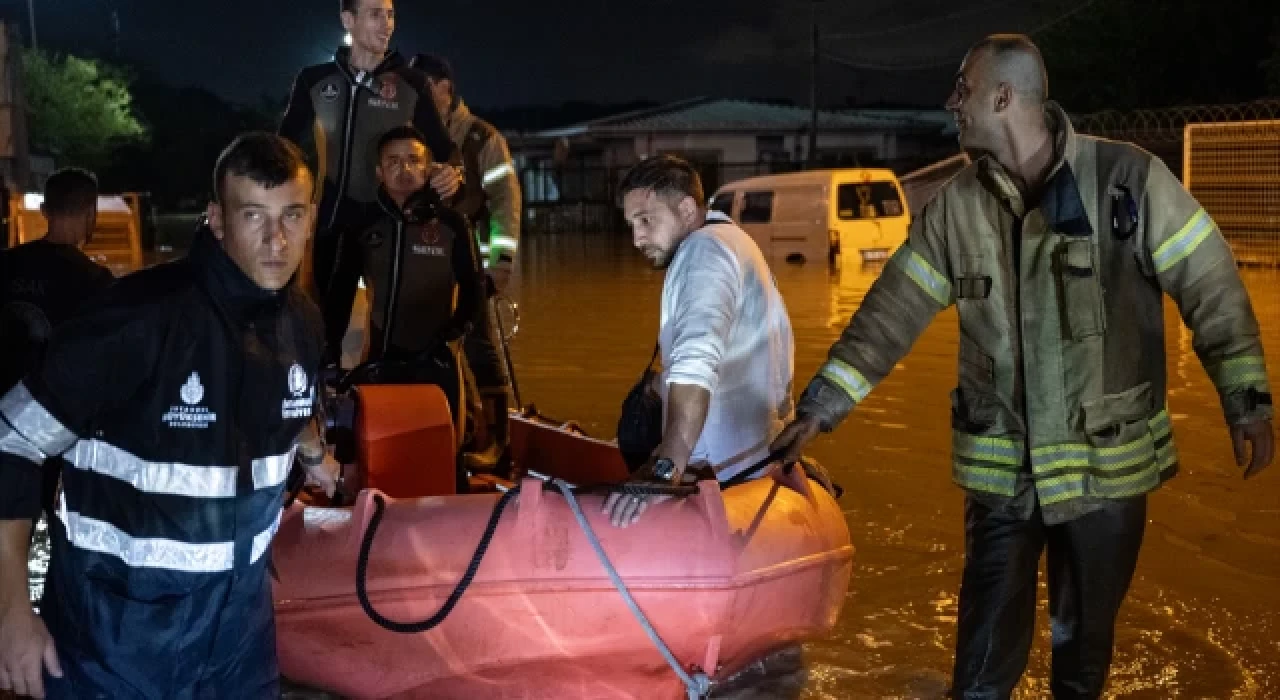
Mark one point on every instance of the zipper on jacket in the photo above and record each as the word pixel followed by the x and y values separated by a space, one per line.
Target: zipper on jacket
pixel 393 288
pixel 344 160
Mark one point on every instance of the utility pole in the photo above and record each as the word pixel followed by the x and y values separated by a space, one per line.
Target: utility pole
pixel 813 88
pixel 31 15
pixel 115 32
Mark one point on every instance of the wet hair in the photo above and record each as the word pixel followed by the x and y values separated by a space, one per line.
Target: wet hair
pixel 666 176
pixel 404 132
pixel 70 191
pixel 1016 60
pixel 437 68
pixel 266 159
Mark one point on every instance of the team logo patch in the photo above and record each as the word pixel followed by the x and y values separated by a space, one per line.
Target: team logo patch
pixel 302 401
pixel 387 89
pixel 189 414
pixel 329 92
pixel 432 240
pixel 431 233
pixel 297 380
pixel 192 391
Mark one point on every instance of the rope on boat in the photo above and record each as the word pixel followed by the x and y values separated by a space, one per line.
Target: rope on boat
pixel 362 569
pixel 697 685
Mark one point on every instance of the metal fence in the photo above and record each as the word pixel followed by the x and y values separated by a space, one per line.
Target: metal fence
pixel 1227 155
pixel 1233 169
pixel 1161 131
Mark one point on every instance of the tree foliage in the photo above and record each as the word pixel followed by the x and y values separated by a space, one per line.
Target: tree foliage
pixel 79 110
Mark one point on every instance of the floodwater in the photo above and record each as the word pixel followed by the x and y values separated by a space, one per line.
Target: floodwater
pixel 1201 619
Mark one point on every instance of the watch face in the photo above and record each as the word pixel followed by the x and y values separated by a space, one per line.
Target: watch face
pixel 664 469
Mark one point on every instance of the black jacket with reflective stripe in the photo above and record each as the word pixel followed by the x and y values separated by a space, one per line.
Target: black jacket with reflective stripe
pixel 175 402
pixel 340 115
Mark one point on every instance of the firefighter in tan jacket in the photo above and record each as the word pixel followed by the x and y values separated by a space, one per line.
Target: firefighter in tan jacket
pixel 490 200
pixel 1055 249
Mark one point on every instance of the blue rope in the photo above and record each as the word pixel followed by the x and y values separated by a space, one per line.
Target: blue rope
pixel 697 685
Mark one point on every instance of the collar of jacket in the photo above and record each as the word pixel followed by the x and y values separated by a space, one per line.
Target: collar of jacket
pixel 342 57
pixel 424 198
pixel 458 115
pixel 235 295
pixel 1060 202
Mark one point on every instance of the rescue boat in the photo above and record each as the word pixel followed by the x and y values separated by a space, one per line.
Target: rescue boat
pixel 720 579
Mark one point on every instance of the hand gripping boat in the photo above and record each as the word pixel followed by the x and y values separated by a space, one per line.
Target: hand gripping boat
pixel 718 579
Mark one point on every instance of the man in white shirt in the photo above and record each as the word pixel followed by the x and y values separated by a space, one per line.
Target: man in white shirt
pixel 725 337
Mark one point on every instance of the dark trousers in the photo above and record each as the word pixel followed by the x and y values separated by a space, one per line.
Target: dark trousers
pixel 482 347
pixel 336 261
pixel 1090 564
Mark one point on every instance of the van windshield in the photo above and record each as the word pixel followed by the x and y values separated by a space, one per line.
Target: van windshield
pixel 868 200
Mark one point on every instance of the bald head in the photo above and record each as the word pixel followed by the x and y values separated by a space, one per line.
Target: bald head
pixel 1000 94
pixel 1012 59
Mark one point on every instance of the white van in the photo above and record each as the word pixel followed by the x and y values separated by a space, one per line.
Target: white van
pixel 819 214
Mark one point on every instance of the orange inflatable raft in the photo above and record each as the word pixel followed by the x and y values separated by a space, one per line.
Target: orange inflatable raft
pixel 722 578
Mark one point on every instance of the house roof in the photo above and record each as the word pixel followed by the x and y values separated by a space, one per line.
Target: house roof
pixel 717 115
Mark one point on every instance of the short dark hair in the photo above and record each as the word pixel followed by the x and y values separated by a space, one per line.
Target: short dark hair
pixel 352 6
pixel 434 65
pixel 1016 60
pixel 666 176
pixel 266 159
pixel 404 132
pixel 70 191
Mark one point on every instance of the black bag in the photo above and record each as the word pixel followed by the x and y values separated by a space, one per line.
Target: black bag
pixel 640 425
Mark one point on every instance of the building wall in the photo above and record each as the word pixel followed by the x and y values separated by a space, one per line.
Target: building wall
pixel 745 148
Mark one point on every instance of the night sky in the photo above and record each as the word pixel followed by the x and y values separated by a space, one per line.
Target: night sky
pixel 521 52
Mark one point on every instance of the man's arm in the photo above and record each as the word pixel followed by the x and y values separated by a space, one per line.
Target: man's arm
pixel 470 278
pixel 915 285
pixel 298 123
pixel 703 302
pixel 26 649
pixel 502 186
pixel 91 360
pixel 1194 266
pixel 427 120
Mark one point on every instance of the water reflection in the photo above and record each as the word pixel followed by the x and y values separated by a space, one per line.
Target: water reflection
pixel 1200 620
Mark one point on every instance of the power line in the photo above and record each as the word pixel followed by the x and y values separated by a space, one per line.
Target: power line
pixel 918 24
pixel 889 67
pixel 859 64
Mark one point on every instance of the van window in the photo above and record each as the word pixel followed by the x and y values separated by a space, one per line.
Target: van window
pixel 868 200
pixel 757 208
pixel 723 203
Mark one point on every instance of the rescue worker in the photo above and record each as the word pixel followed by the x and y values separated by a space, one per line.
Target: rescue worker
pixel 175 403
pixel 725 341
pixel 1055 249
pixel 490 199
pixel 42 282
pixel 339 110
pixel 417 260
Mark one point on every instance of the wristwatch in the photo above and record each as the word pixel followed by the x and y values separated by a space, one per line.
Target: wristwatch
pixel 308 461
pixel 664 469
